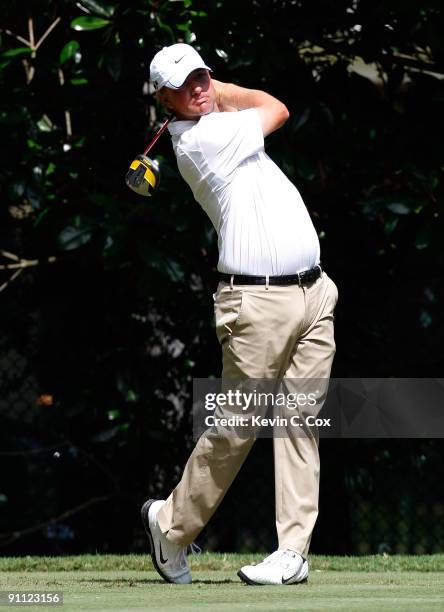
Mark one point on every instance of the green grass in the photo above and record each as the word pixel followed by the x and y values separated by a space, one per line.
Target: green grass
pixel 128 582
pixel 222 562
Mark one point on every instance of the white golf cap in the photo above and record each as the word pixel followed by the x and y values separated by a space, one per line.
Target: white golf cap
pixel 171 66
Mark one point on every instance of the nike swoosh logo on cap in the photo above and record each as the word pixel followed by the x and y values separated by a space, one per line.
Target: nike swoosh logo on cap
pixel 180 58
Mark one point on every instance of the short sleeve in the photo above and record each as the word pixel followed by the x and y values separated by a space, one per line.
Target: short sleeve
pixel 228 139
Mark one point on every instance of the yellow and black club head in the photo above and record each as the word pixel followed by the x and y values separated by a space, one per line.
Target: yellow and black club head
pixel 143 175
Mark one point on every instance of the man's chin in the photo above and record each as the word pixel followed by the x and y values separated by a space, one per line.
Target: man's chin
pixel 206 109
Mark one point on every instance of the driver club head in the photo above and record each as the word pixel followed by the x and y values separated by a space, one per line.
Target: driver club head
pixel 143 176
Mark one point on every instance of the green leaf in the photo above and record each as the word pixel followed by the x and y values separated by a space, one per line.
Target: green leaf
pixel 17 189
pixel 84 24
pixel 44 124
pixel 40 216
pixel 17 51
pixel 398 208
pixel 106 435
pixel 13 116
pixel 166 28
pixel 113 64
pixel 174 270
pixel 98 7
pixel 390 225
pixel 221 53
pixel 32 144
pixel 74 237
pixel 301 120
pixel 423 238
pixel 425 318
pixel 69 51
pixel 79 143
pixel 50 169
pixel 131 396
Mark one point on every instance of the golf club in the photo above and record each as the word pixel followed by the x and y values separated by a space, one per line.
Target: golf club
pixel 143 175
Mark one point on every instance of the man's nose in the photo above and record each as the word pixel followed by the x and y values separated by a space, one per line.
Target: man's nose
pixel 196 88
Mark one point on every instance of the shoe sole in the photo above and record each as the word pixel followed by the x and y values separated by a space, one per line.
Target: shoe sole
pixel 247 580
pixel 146 523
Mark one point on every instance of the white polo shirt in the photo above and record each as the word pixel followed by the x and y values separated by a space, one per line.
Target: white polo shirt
pixel 262 223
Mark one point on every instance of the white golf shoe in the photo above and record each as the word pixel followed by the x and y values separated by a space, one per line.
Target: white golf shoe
pixel 170 560
pixel 281 567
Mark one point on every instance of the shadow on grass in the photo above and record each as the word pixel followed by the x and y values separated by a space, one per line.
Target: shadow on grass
pixel 131 582
pixel 224 581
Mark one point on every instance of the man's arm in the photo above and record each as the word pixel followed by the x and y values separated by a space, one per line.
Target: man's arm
pixel 273 113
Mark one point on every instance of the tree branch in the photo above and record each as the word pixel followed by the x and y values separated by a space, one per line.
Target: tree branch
pixel 33 451
pixel 68 125
pixel 16 36
pixel 15 535
pixel 11 279
pixel 22 263
pixel 10 255
pixel 31 32
pixel 47 33
pixel 19 266
pixel 29 69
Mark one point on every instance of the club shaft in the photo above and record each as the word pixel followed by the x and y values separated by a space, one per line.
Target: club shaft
pixel 157 136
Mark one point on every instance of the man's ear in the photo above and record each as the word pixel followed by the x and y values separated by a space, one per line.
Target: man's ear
pixel 162 96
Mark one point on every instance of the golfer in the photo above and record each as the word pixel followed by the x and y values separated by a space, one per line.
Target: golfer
pixel 273 307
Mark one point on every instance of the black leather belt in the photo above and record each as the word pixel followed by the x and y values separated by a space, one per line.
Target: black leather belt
pixel 302 278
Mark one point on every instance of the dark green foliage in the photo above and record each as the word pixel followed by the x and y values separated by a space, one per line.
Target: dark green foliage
pixel 116 328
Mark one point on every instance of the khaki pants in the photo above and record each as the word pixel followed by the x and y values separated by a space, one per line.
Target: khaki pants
pixel 274 332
